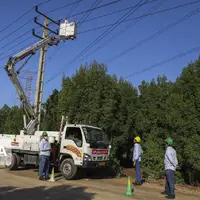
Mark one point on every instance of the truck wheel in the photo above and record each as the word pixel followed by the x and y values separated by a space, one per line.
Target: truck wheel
pixel 68 169
pixel 18 160
pixel 13 164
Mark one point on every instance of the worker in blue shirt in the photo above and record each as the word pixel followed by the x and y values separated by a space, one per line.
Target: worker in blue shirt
pixel 137 154
pixel 44 156
pixel 171 163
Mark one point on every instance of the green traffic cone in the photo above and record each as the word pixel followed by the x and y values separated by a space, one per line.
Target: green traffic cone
pixel 129 188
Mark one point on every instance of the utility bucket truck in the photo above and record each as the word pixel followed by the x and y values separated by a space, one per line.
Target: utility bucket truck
pixel 77 145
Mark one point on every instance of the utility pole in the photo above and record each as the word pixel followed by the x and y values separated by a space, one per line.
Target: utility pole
pixel 41 67
pixel 40 78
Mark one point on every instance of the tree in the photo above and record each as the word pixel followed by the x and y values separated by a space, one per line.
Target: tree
pixel 50 120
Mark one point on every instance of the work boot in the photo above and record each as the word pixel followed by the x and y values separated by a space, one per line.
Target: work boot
pixel 41 178
pixel 170 197
pixel 137 183
pixel 164 193
pixel 46 178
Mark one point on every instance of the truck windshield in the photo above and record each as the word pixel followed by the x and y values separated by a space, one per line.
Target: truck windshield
pixel 94 135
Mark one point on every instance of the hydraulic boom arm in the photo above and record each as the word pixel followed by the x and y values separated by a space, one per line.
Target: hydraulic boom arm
pixel 69 33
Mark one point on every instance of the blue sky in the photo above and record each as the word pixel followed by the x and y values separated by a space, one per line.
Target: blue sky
pixel 180 38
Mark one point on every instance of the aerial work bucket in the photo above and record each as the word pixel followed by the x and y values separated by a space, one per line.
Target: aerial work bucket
pixel 68 30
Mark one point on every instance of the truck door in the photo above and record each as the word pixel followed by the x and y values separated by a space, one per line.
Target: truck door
pixel 72 143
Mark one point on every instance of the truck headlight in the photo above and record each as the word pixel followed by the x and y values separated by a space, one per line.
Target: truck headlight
pixel 87 157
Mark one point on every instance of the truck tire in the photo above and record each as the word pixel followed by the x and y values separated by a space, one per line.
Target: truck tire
pixel 13 164
pixel 18 160
pixel 68 169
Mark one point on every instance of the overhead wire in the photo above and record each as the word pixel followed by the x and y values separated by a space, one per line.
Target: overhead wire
pixel 142 16
pixel 96 8
pixel 23 15
pixel 157 33
pixel 130 25
pixel 95 4
pixel 118 11
pixel 26 23
pixel 70 12
pixel 164 61
pixel 68 16
pixel 15 39
pixel 74 6
pixel 64 6
pixel 7 56
pixel 127 14
pixel 92 9
pixel 80 13
pixel 2 39
pixel 97 28
pixel 122 31
pixel 164 10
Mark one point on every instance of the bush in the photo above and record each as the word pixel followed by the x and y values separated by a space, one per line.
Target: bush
pixel 153 159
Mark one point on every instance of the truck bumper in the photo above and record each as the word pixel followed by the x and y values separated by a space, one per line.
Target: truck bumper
pixel 94 164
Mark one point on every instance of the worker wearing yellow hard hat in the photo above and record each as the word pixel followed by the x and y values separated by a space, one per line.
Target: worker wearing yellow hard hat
pixel 137 154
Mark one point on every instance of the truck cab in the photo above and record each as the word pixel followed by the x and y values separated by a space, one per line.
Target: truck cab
pixel 82 146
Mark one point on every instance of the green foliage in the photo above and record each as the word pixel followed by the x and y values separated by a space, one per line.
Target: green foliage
pixel 50 118
pixel 11 120
pixel 153 164
pixel 161 109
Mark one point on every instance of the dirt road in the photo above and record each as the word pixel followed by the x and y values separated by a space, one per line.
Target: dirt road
pixel 24 185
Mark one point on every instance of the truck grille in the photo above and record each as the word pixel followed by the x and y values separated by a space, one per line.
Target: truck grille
pixel 100 158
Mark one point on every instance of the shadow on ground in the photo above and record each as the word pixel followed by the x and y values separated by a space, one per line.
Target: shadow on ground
pixel 42 193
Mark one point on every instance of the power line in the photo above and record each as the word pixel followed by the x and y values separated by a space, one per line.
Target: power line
pixel 156 34
pixel 64 6
pixel 69 13
pixel 42 3
pixel 27 21
pixel 73 7
pixel 118 11
pixel 25 40
pixel 142 16
pixel 164 10
pixel 130 12
pixel 164 62
pixel 19 50
pixel 120 32
pixel 94 5
pixel 97 28
pixel 98 7
pixel 8 26
pixel 15 30
pixel 104 5
pixel 129 26
pixel 89 10
pixel 15 39
pixel 5 28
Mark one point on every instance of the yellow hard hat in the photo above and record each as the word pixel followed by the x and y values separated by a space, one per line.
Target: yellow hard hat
pixel 137 139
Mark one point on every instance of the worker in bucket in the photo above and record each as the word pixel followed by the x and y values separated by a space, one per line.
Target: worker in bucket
pixel 171 163
pixel 45 150
pixel 137 154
